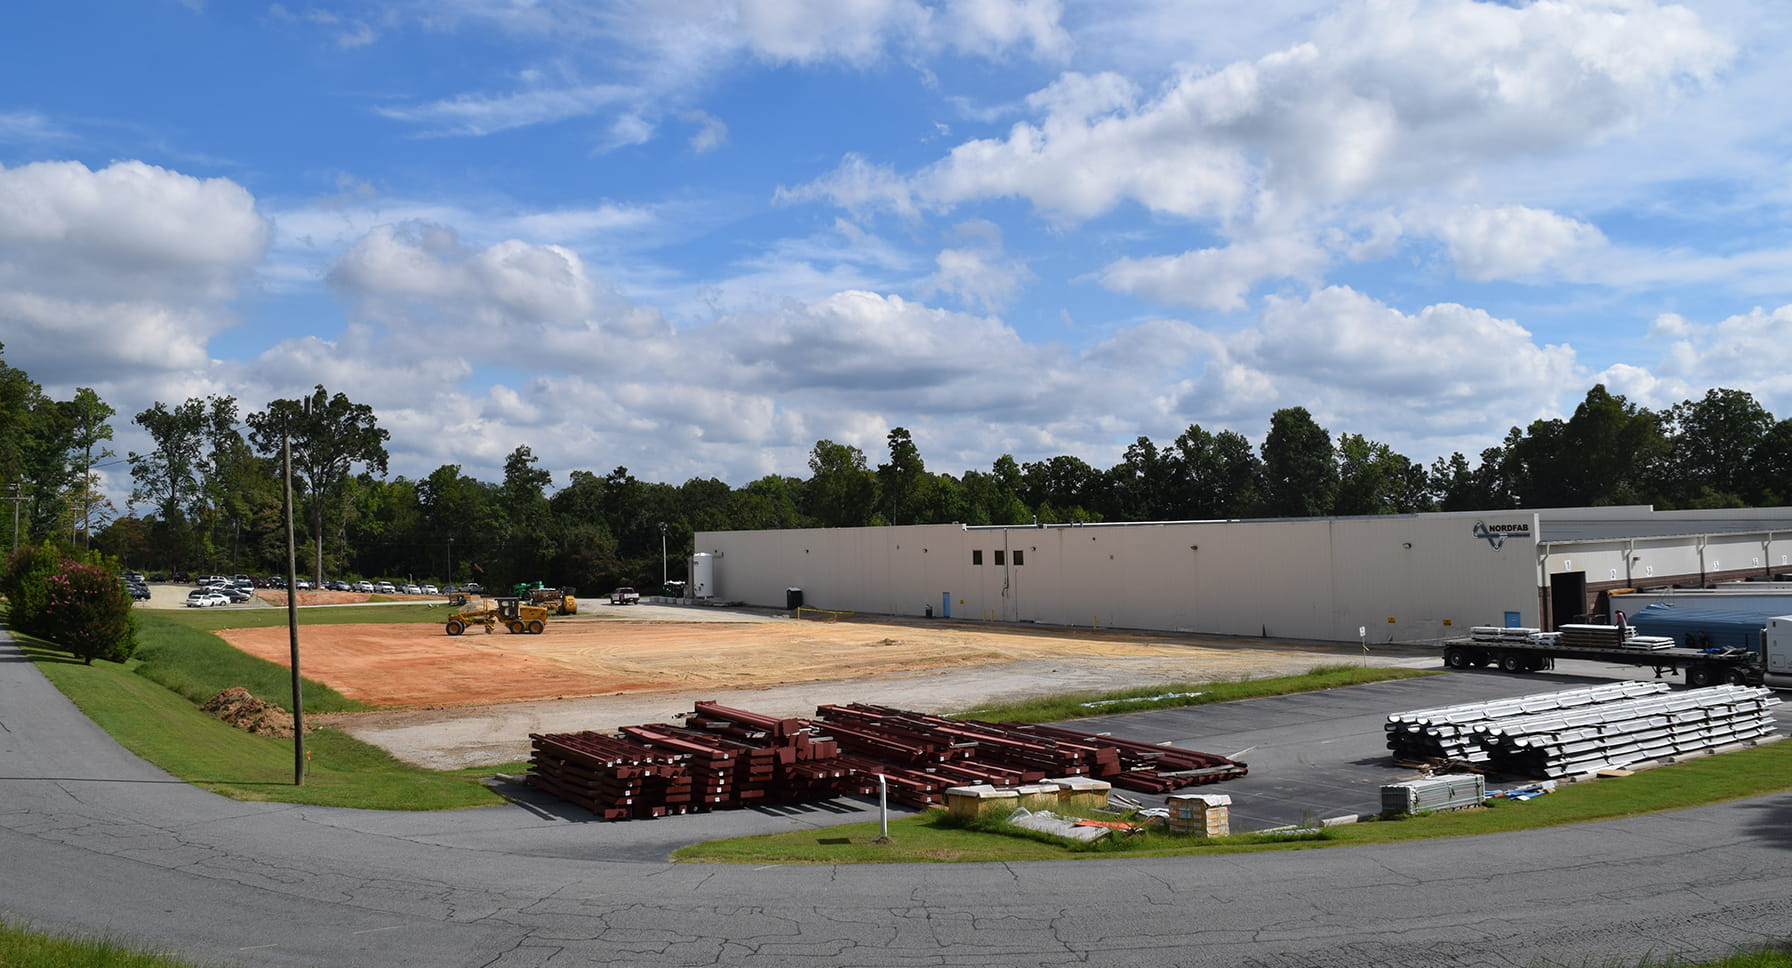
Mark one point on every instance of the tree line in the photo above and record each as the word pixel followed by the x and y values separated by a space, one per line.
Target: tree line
pixel 212 489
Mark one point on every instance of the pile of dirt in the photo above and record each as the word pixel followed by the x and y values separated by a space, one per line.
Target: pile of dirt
pixel 238 707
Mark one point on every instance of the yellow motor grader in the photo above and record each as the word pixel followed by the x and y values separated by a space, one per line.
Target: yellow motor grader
pixel 510 613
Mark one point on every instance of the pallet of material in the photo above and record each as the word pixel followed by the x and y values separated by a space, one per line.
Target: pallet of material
pixel 721 758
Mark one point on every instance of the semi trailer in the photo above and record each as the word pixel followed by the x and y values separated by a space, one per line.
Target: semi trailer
pixel 1531 650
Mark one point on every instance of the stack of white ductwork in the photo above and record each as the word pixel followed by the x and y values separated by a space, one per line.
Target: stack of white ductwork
pixel 1449 732
pixel 1617 735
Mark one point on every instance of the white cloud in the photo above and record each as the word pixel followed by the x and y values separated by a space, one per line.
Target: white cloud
pixel 990 28
pixel 979 273
pixel 132 264
pixel 1217 278
pixel 483 114
pixel 857 184
pixel 1387 94
pixel 1357 363
pixel 1749 351
pixel 1515 241
pixel 28 127
pixel 711 132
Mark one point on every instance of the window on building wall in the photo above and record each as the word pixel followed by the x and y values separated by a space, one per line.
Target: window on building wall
pixel 999 561
pixel 977 557
pixel 1019 558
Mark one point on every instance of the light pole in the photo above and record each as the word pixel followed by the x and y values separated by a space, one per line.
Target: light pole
pixel 450 578
pixel 663 575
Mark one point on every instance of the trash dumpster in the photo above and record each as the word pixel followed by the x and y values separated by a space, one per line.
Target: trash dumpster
pixel 793 598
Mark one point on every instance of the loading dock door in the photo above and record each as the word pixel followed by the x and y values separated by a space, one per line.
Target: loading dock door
pixel 1567 598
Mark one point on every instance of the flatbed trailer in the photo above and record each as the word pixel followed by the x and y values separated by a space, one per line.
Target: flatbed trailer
pixel 1516 655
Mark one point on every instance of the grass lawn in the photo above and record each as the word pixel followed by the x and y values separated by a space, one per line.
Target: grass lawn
pixel 21 947
pixel 167 729
pixel 935 837
pixel 1054 709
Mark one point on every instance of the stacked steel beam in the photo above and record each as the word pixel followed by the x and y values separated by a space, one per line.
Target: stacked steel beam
pixel 722 757
pixel 1623 734
pixel 1449 732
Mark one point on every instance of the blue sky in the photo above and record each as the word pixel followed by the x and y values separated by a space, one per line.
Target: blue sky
pixel 694 238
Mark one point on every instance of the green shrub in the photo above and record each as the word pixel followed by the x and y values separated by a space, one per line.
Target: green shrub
pixel 25 583
pixel 79 606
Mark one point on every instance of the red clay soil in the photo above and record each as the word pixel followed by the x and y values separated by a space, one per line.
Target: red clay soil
pixel 420 665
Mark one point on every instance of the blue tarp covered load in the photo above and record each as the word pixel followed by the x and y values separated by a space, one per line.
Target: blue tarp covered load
pixel 1727 628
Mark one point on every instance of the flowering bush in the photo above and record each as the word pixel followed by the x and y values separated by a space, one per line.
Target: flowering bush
pixel 80 607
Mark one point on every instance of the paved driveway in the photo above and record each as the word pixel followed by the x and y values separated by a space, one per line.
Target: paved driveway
pixel 96 840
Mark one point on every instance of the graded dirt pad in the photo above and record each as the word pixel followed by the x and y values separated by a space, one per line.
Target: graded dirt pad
pixel 419 665
pixel 473 699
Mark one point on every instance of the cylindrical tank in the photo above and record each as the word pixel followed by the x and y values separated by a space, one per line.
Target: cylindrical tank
pixel 703 575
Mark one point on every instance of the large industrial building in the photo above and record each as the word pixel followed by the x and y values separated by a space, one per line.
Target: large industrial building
pixel 1400 578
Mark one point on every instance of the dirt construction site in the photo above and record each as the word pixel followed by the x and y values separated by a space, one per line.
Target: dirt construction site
pixel 453 701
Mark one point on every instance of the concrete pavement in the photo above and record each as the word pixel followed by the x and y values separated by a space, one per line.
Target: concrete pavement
pixel 96 840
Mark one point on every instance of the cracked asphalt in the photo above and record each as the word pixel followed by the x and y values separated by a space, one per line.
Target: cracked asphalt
pixel 96 841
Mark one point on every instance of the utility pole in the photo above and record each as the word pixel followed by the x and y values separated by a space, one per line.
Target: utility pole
pixel 292 610
pixel 663 574
pixel 16 499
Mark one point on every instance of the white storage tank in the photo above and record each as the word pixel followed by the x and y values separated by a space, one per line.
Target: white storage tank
pixel 703 575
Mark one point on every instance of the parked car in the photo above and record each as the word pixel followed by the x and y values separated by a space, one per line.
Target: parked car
pixel 411 589
pixel 138 590
pixel 430 590
pixel 338 585
pixel 303 584
pixel 385 588
pixel 473 588
pixel 625 596
pixel 235 593
pixel 205 598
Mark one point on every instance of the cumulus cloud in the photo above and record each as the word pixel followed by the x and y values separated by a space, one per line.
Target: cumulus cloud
pixel 1386 93
pixel 1515 241
pixel 1748 351
pixel 1217 278
pixel 1358 362
pixel 134 264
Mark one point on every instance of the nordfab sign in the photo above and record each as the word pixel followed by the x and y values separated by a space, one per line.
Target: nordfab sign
pixel 1496 534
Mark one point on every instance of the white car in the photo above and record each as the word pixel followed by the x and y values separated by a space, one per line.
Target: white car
pixel 384 588
pixel 364 586
pixel 430 590
pixel 625 596
pixel 410 589
pixel 205 598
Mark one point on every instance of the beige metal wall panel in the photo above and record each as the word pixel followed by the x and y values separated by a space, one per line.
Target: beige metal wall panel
pixel 1434 575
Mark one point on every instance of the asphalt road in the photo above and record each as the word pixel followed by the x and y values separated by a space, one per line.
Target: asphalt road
pixel 95 840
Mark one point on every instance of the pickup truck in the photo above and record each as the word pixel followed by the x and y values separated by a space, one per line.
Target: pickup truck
pixel 625 596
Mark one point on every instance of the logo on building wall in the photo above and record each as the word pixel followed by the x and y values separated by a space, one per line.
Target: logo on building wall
pixel 1496 534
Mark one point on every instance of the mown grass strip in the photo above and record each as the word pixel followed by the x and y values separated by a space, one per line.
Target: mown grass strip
pixel 22 947
pixel 166 729
pixel 1053 709
pixel 196 664
pixel 933 837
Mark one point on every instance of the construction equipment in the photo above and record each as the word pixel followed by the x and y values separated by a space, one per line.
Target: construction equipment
pixel 508 612
pixel 558 601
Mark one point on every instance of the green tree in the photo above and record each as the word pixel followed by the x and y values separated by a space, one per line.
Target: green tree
pixel 87 417
pixel 1373 479
pixel 1299 474
pixel 903 481
pixel 168 475
pixel 841 492
pixel 330 435
pixel 1060 489
pixel 1712 445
